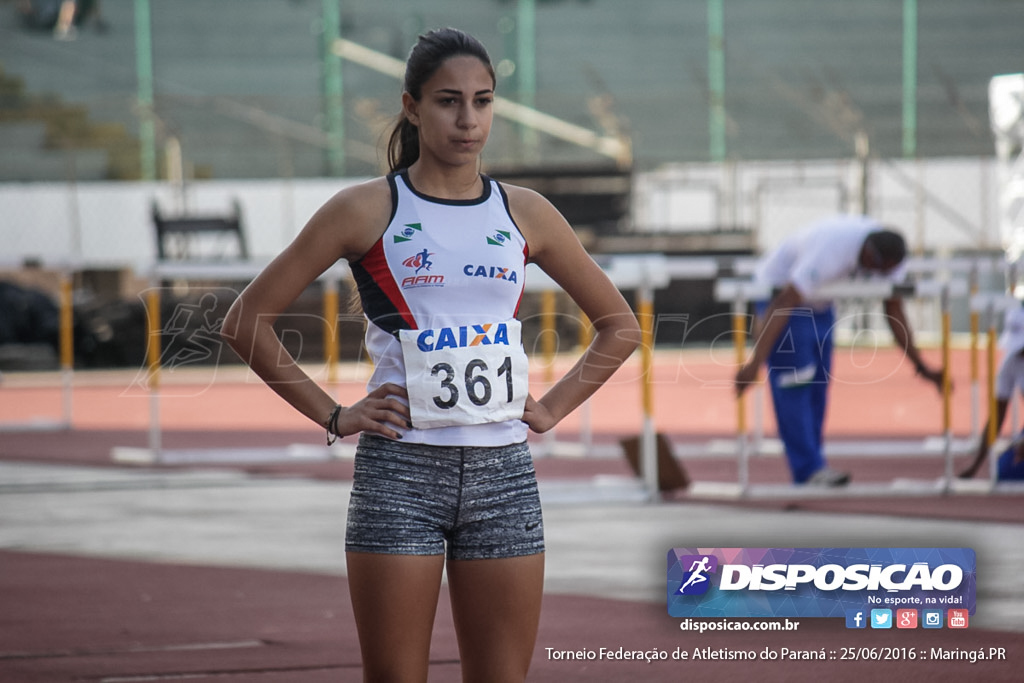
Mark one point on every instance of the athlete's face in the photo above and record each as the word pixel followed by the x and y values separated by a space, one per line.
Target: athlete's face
pixel 455 111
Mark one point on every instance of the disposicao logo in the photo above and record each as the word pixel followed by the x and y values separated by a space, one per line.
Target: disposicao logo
pixel 817 582
pixel 696 580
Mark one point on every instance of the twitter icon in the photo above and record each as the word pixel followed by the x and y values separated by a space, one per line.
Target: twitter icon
pixel 881 618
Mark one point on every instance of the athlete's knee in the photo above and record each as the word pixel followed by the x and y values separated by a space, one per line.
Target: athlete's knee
pixel 510 669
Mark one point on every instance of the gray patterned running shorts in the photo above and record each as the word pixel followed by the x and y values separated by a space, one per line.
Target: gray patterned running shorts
pixel 415 499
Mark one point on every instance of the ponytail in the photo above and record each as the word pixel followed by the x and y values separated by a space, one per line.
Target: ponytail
pixel 403 145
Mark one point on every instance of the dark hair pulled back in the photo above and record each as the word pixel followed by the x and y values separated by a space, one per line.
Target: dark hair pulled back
pixel 426 57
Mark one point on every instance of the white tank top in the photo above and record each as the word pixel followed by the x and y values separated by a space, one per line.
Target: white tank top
pixel 441 264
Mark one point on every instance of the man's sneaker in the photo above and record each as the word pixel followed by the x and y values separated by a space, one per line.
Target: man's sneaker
pixel 827 477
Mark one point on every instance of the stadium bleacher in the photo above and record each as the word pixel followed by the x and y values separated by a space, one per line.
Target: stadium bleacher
pixel 231 77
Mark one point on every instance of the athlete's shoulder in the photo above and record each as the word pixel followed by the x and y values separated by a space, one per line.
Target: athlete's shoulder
pixel 368 197
pixel 529 207
pixel 522 196
pixel 357 215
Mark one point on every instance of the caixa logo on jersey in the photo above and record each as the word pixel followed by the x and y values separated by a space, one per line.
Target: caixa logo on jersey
pixel 463 336
pixel 493 272
pixel 816 582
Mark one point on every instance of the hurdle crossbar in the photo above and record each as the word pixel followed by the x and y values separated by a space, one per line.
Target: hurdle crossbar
pixel 187 270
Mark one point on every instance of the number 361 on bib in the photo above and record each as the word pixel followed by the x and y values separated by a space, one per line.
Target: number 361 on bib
pixel 466 375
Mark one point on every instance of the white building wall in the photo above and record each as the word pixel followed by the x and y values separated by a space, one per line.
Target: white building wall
pixel 940 205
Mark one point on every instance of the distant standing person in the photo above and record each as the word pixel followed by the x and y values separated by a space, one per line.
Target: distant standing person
pixel 793 334
pixel 1009 379
pixel 442 469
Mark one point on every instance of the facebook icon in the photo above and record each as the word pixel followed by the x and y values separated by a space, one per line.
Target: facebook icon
pixel 856 618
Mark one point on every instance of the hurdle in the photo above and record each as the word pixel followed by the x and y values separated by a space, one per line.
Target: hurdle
pixel 992 305
pixel 627 272
pixel 155 453
pixel 969 268
pixel 741 292
pixel 643 272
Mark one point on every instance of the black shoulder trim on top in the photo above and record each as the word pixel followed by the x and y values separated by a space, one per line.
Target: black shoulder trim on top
pixel 394 197
pixel 508 209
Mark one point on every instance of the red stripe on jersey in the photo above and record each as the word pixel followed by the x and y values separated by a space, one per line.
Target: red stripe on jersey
pixel 374 263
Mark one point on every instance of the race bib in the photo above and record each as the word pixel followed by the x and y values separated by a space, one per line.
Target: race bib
pixel 465 375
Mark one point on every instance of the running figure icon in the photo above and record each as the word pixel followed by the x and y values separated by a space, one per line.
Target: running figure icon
pixel 423 261
pixel 697 573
